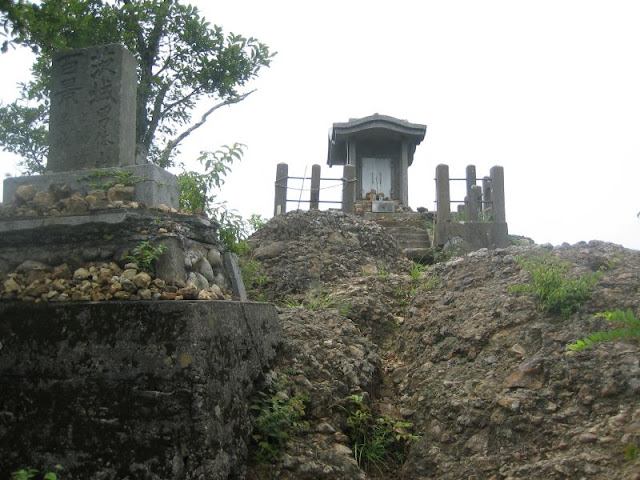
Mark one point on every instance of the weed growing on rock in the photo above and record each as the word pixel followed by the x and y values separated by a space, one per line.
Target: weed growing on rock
pixel 554 289
pixel 430 283
pixel 345 309
pixel 312 301
pixel 277 418
pixel 632 452
pixel 317 301
pixel 376 442
pixel 292 303
pixel 99 178
pixel 417 269
pixel 146 255
pixel 627 327
pixel 251 276
pixel 29 473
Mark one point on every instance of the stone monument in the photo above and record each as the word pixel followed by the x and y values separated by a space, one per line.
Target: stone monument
pixel 93 103
pixel 113 419
pixel 92 127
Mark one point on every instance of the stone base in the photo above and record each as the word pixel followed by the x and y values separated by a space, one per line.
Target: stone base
pixel 191 244
pixel 119 390
pixel 154 186
pixel 471 236
pixel 379 206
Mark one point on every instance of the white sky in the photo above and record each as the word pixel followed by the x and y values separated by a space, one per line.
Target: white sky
pixel 550 90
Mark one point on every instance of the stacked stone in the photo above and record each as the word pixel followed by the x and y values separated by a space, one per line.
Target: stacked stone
pixel 59 200
pixel 38 282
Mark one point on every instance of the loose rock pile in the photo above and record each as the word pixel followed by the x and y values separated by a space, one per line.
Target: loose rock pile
pixel 491 386
pixel 300 251
pixel 38 282
pixel 89 260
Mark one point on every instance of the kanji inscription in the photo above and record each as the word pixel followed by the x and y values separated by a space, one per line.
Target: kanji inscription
pixel 92 118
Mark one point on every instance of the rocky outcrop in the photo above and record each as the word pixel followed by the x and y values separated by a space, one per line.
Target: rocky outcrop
pixel 306 250
pixel 482 373
pixel 491 386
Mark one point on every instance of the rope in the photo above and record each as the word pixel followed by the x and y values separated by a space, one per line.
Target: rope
pixel 305 174
pixel 332 186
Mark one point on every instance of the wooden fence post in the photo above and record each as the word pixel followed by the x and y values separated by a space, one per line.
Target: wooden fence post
pixel 315 188
pixel 487 202
pixel 282 176
pixel 349 188
pixel 497 187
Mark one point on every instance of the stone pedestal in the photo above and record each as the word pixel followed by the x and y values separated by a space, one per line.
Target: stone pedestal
pixel 153 185
pixel 192 252
pixel 118 390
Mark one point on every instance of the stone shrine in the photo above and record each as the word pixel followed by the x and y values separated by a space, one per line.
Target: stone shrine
pixel 381 148
pixel 375 153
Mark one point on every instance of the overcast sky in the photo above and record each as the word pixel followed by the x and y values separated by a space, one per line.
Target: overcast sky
pixel 550 90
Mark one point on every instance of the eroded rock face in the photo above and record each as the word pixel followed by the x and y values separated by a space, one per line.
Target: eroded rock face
pixel 491 384
pixel 482 373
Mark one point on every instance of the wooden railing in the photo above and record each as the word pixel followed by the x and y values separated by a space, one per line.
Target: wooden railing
pixel 282 188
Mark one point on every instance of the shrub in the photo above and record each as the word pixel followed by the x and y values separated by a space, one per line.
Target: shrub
pixel 146 255
pixel 554 289
pixel 252 277
pixel 197 194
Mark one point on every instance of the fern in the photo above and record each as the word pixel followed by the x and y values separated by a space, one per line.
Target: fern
pixel 627 327
pixel 554 289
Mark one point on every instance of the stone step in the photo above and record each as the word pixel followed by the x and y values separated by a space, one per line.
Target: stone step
pixel 390 223
pixel 388 220
pixel 406 231
pixel 393 216
pixel 412 240
pixel 413 244
pixel 420 255
pixel 415 237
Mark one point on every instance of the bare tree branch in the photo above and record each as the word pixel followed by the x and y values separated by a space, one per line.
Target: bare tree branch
pixel 169 106
pixel 172 144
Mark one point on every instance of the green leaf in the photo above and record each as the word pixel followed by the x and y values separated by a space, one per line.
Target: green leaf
pixel 627 327
pixel 201 64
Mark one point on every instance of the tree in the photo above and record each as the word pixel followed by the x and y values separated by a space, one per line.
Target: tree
pixel 10 21
pixel 182 60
